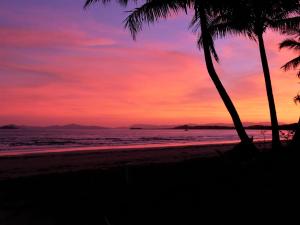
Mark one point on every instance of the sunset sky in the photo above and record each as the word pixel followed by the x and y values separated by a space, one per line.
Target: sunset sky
pixel 61 64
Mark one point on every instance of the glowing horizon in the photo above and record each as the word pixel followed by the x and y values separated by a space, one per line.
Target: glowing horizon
pixel 61 64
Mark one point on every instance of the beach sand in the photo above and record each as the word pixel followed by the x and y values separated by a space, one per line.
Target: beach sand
pixel 38 163
pixel 172 185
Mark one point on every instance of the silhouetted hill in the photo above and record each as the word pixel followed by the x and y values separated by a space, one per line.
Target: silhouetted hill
pixel 75 126
pixel 258 127
pixel 252 127
pixel 9 126
pixel 221 126
pixel 203 127
pixel 151 127
pixel 196 126
pixel 291 126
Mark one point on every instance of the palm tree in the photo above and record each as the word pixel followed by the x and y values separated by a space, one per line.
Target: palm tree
pixel 252 18
pixel 153 10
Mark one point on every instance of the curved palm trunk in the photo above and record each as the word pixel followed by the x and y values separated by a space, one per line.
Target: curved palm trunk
pixel 218 84
pixel 275 128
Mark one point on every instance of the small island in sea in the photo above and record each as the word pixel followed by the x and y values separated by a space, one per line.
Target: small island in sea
pixel 9 126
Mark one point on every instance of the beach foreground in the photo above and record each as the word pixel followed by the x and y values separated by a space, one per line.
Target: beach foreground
pixel 21 164
pixel 170 188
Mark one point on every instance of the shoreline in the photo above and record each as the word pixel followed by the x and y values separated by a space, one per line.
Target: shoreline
pixel 37 151
pixel 38 163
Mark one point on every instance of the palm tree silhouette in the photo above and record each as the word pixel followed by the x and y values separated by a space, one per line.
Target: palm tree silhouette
pixel 153 10
pixel 252 18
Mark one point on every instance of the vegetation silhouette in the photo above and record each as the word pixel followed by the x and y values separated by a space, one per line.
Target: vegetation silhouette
pixel 153 10
pixel 294 44
pixel 297 98
pixel 251 18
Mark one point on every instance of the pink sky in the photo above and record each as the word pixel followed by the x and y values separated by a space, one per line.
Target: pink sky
pixel 61 64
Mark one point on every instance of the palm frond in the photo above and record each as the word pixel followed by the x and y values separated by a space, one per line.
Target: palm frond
pixel 293 64
pixel 291 44
pixel 223 30
pixel 297 98
pixel 195 26
pixel 285 25
pixel 151 12
pixel 295 33
pixel 211 45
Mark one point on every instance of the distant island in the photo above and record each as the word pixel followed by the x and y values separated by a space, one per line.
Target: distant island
pixel 292 126
pixel 220 126
pixel 151 127
pixel 156 127
pixel 9 126
pixel 75 126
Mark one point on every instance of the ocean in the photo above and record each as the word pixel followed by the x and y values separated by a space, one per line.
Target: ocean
pixel 45 139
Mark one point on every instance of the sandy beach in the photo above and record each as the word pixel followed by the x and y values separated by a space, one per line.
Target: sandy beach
pixel 60 161
pixel 172 185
